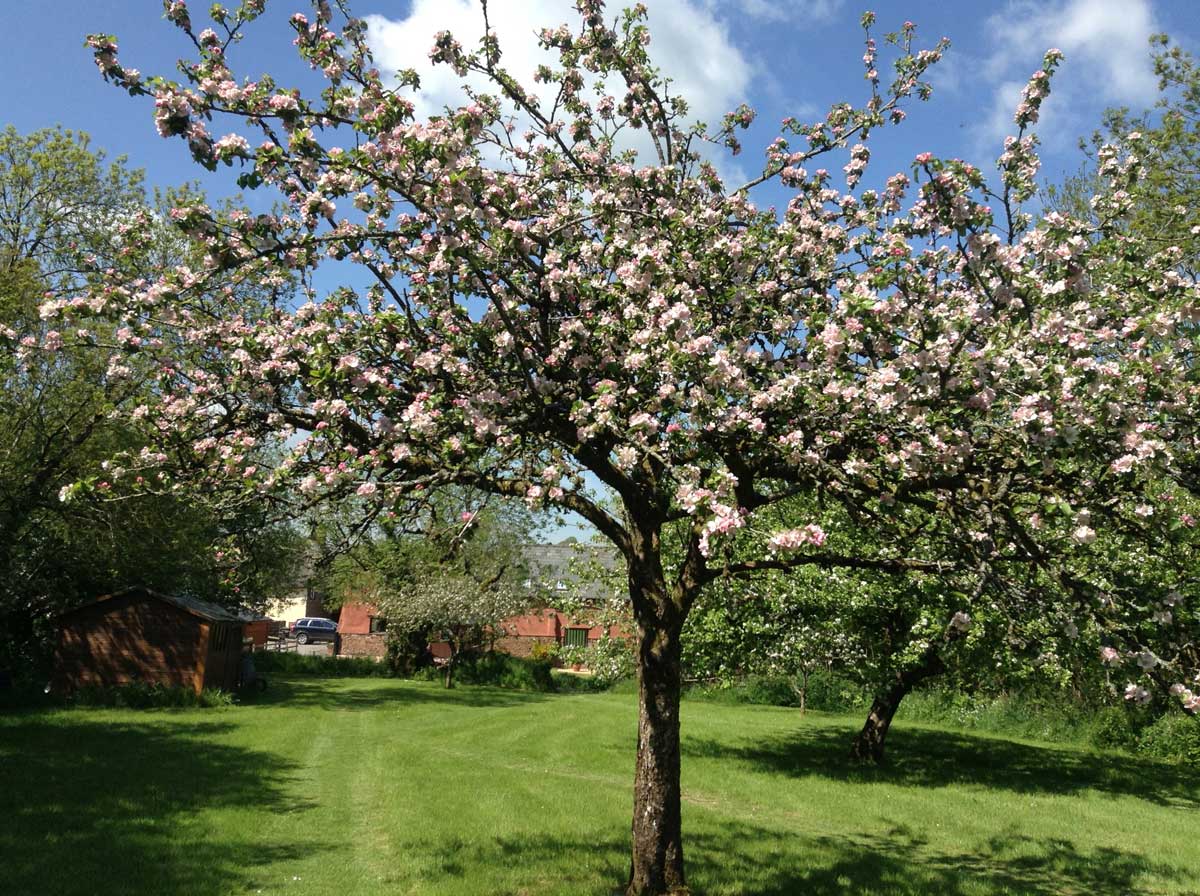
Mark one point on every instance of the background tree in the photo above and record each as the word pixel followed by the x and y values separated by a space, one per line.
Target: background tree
pixel 453 575
pixel 1166 198
pixel 65 409
pixel 1148 554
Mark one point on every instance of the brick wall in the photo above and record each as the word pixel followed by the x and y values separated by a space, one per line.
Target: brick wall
pixel 521 646
pixel 355 619
pixel 364 645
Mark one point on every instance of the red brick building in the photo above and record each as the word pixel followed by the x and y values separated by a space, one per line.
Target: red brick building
pixel 553 577
pixel 550 626
pixel 362 631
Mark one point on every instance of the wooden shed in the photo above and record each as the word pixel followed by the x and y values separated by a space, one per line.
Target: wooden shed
pixel 142 635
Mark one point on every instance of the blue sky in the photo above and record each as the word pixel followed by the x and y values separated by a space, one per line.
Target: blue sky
pixel 783 57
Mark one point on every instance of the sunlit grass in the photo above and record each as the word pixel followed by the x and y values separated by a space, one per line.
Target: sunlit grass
pixel 356 786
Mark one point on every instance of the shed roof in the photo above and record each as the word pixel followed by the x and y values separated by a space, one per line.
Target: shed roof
pixel 193 605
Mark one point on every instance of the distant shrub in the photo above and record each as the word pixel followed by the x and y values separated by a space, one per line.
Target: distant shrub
pixel 826 692
pixel 271 663
pixel 1020 714
pixel 1175 737
pixel 608 659
pixel 505 671
pixel 571 683
pixel 544 650
pixel 408 653
pixel 143 695
pixel 830 692
pixel 1112 729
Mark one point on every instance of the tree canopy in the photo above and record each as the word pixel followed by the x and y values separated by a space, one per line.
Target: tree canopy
pixel 976 390
pixel 66 408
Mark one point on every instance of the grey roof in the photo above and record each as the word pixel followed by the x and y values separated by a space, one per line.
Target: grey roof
pixel 193 605
pixel 550 564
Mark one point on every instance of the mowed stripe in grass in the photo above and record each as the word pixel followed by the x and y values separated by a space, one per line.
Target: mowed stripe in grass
pixel 376 786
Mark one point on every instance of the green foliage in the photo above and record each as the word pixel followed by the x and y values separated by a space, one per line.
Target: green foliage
pixel 407 653
pixel 454 581
pixel 1112 729
pixel 608 659
pixel 141 695
pixel 547 651
pixel 1174 737
pixel 67 404
pixel 573 683
pixel 493 669
pixel 826 692
pixel 1142 730
pixel 1166 198
pixel 1012 715
pixel 270 663
pixel 504 671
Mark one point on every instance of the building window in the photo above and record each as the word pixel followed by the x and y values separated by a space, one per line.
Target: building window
pixel 575 637
pixel 378 625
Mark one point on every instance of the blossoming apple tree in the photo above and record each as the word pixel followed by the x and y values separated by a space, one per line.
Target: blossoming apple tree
pixel 531 303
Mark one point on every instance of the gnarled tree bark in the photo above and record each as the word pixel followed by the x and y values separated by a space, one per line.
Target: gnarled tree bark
pixel 656 867
pixel 869 742
pixel 657 864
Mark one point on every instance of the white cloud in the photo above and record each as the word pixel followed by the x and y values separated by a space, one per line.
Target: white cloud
pixel 688 44
pixel 1107 59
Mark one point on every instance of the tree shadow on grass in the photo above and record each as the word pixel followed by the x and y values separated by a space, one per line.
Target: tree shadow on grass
pixel 93 808
pixel 378 693
pixel 733 858
pixel 901 863
pixel 920 757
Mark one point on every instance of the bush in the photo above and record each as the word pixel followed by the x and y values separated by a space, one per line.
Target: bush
pixel 830 692
pixel 1113 729
pixel 271 663
pixel 570 683
pixel 408 653
pixel 608 659
pixel 1022 714
pixel 1175 737
pixel 504 671
pixel 143 695
pixel 544 650
pixel 826 692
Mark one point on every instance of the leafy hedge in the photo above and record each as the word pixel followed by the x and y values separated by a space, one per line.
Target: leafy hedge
pixel 142 695
pixel 1146 731
pixel 826 692
pixel 269 663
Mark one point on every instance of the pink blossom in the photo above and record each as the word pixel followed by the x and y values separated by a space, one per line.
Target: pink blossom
pixel 795 539
pixel 1136 694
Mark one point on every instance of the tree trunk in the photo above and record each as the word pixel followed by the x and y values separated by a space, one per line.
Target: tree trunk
pixel 450 665
pixel 657 865
pixel 868 744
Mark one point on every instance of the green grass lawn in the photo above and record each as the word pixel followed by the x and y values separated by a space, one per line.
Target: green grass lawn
pixel 357 786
